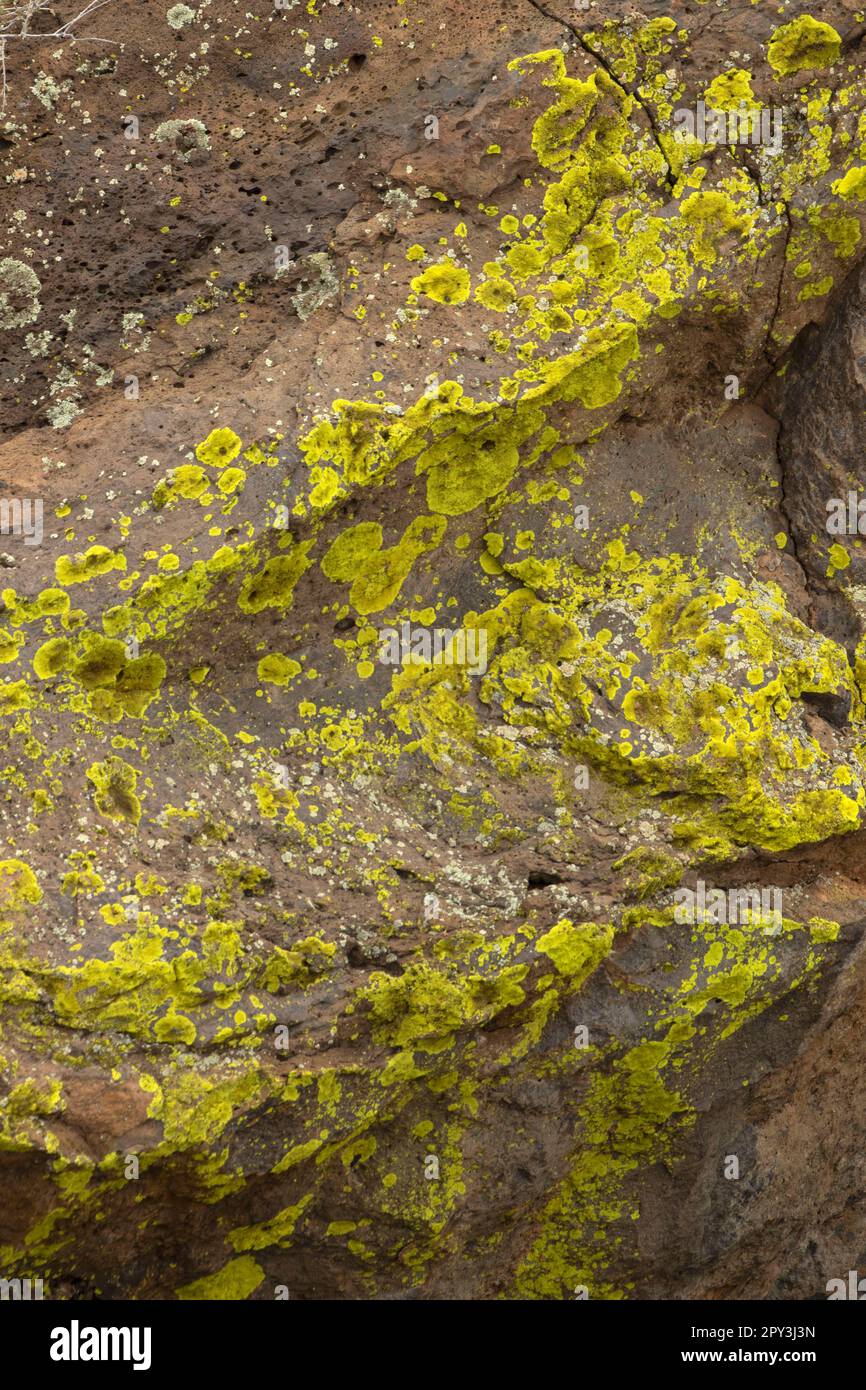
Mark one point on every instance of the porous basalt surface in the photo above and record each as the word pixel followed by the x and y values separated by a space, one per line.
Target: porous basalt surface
pixel 321 977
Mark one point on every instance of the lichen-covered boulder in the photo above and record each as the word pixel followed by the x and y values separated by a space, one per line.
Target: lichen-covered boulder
pixel 433 720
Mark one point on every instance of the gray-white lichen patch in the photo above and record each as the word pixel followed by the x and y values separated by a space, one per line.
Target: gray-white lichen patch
pixel 133 337
pixel 66 395
pixel 316 289
pixel 46 91
pixel 19 294
pixel 186 136
pixel 61 413
pixel 179 15
pixel 37 344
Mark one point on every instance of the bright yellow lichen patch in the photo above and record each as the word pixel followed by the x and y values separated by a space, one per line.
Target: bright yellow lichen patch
pixel 376 574
pixel 115 782
pixel 220 447
pixel 446 283
pixel 803 44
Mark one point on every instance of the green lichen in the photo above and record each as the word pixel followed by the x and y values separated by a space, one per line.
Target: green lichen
pixel 576 948
pixel 276 1231
pixel 303 963
pixel 235 1281
pixel 273 586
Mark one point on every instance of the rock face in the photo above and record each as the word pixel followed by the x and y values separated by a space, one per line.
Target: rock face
pixel 433 688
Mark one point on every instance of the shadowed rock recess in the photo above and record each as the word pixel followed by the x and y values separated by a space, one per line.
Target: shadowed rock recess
pixel 433 700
